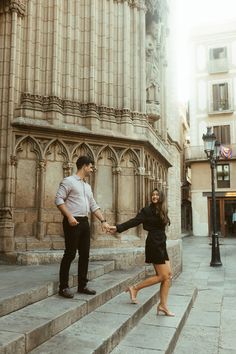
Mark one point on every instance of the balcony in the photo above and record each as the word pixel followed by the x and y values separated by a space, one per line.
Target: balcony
pixel 196 153
pixel 218 66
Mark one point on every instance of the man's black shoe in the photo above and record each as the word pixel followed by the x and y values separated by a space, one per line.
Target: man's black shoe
pixel 66 293
pixel 86 291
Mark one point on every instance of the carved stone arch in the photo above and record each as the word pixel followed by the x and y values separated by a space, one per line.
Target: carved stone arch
pixel 63 151
pixel 28 157
pixel 129 178
pixel 153 163
pixel 111 154
pixel 156 173
pixel 133 157
pixel 161 176
pixel 82 149
pixel 147 165
pixel 35 147
pixel 165 175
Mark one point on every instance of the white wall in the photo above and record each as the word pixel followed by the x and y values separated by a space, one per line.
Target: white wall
pixel 200 214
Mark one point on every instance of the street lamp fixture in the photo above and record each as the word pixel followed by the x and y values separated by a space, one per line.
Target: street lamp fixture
pixel 212 150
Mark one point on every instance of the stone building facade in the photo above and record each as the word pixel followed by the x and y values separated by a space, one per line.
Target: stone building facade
pixel 213 105
pixel 83 77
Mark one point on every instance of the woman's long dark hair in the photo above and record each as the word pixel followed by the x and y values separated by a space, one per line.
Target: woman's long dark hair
pixel 162 207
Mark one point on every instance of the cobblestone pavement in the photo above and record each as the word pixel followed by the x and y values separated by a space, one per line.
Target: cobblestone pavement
pixel 211 325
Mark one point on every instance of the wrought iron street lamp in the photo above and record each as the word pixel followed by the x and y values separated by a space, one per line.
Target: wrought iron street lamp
pixel 212 150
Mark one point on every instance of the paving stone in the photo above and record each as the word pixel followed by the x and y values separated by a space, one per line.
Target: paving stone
pixel 197 340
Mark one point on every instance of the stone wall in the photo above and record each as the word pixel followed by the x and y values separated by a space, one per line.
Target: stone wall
pixel 81 77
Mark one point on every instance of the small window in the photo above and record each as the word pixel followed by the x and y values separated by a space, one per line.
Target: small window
pixel 223 175
pixel 218 53
pixel 218 61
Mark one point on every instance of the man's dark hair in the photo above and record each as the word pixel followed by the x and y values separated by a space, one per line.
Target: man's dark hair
pixel 84 160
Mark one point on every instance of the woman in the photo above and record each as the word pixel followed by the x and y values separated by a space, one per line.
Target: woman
pixel 154 219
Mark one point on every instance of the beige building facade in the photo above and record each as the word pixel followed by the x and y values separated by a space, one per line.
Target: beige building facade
pixel 84 77
pixel 212 104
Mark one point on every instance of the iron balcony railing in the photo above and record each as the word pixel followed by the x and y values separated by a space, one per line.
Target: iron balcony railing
pixel 194 153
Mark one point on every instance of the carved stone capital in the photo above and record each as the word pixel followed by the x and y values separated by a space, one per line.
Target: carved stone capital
pixel 139 4
pixel 18 6
pixel 67 167
pixel 116 170
pixel 13 160
pixel 5 213
pixel 152 5
pixel 141 171
pixel 42 165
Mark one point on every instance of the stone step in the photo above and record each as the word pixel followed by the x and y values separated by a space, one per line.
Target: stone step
pixel 27 328
pixel 125 257
pixel 103 329
pixel 159 334
pixel 21 286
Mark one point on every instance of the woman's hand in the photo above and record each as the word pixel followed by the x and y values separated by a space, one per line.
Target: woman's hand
pixel 112 230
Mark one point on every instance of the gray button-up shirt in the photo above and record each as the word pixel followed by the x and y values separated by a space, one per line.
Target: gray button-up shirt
pixel 77 196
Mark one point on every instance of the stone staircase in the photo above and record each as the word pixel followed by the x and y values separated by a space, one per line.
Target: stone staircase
pixel 36 320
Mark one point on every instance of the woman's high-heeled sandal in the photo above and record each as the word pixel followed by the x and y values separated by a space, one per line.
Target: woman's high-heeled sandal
pixel 133 299
pixel 166 312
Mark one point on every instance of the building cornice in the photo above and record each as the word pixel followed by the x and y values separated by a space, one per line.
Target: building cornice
pixel 65 107
pixel 174 142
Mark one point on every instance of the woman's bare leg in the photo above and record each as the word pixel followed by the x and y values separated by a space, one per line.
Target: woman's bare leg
pixel 165 272
pixel 155 279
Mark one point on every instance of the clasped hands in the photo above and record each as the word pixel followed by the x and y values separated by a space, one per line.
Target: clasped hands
pixel 108 228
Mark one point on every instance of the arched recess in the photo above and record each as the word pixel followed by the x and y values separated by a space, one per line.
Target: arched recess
pixel 129 193
pixel 147 165
pixel 161 176
pixel 81 150
pixel 56 156
pixel 156 174
pixel 152 177
pixel 28 154
pixel 106 162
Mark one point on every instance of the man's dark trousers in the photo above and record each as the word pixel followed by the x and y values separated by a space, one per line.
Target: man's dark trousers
pixel 76 238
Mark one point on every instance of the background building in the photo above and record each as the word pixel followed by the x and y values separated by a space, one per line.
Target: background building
pixel 84 77
pixel 212 104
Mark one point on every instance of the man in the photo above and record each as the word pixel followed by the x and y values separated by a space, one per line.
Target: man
pixel 75 200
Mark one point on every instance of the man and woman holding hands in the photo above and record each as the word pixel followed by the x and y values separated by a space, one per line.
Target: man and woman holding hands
pixel 75 200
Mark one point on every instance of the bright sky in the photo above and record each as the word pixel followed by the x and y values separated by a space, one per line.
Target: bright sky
pixel 194 13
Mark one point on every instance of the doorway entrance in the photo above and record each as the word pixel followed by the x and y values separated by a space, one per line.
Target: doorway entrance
pixel 225 216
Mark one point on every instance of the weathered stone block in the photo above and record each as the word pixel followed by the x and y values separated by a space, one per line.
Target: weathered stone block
pixel 23 229
pixel 54 229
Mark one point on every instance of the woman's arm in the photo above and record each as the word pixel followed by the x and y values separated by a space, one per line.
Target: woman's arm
pixel 137 220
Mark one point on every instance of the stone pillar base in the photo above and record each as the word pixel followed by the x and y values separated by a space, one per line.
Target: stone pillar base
pixel 7 243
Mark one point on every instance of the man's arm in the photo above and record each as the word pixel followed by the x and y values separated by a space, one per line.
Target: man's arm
pixel 100 217
pixel 71 220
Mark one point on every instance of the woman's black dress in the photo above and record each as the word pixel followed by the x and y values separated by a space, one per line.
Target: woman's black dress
pixel 155 248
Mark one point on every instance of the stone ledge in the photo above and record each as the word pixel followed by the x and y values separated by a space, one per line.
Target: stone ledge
pixel 124 258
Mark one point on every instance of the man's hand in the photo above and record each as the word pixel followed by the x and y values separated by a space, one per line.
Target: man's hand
pixel 72 221
pixel 105 226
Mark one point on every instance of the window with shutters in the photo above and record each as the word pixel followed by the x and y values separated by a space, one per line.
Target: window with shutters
pixel 222 133
pixel 220 97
